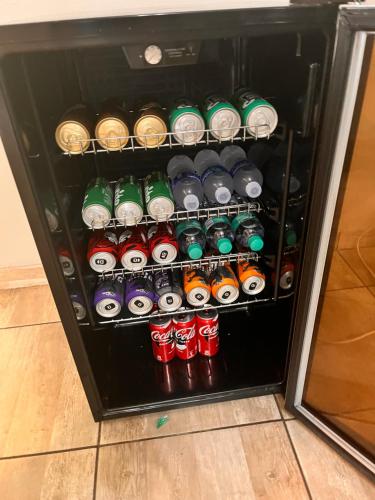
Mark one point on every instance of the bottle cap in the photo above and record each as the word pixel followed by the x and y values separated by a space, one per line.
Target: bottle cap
pixel 191 202
pixel 223 195
pixel 195 251
pixel 253 189
pixel 224 245
pixel 255 243
pixel 290 237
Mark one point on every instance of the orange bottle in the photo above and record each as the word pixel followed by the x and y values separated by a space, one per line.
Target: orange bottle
pixel 224 284
pixel 196 286
pixel 251 277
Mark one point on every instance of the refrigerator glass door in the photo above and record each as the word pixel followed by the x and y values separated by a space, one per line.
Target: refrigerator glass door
pixel 332 377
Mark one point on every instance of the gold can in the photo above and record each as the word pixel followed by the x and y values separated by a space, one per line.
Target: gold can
pixel 150 127
pixel 74 130
pixel 111 129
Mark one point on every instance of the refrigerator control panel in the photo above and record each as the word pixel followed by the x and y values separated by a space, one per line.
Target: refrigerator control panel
pixel 163 54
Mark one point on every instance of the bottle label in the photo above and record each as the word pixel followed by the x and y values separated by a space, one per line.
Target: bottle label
pixel 184 175
pixel 240 218
pixel 182 226
pixel 215 220
pixel 239 164
pixel 212 170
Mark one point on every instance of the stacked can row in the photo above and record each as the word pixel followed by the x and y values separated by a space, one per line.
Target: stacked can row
pixel 187 122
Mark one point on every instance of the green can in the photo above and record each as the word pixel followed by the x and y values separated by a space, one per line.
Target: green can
pixel 97 204
pixel 158 196
pixel 221 117
pixel 128 201
pixel 257 114
pixel 186 122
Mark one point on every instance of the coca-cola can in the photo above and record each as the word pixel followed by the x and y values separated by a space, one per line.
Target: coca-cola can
pixel 163 343
pixel 207 322
pixel 185 335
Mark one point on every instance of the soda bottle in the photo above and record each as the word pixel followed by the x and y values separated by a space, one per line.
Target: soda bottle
pixel 249 232
pixel 247 178
pixel 186 185
pixel 219 234
pixel 217 182
pixel 191 238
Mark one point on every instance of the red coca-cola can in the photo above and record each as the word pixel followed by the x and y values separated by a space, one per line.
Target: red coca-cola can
pixel 208 332
pixel 185 335
pixel 163 343
pixel 163 242
pixel 133 248
pixel 102 251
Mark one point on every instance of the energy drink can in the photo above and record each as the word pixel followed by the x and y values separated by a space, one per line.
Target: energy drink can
pixel 97 204
pixel 128 201
pixel 163 343
pixel 208 331
pixel 139 295
pixel 158 196
pixel 167 286
pixel 287 271
pixel 257 114
pixel 163 242
pixel 133 249
pixel 251 277
pixel 111 129
pixel 222 118
pixel 224 284
pixel 185 335
pixel 74 130
pixel 196 287
pixel 150 127
pixel 186 122
pixel 78 305
pixel 102 251
pixel 109 297
pixel 66 261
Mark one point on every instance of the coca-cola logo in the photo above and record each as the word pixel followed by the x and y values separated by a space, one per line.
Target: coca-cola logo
pixel 162 337
pixel 185 334
pixel 208 331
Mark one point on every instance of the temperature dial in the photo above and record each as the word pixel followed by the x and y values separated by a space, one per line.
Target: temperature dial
pixel 153 54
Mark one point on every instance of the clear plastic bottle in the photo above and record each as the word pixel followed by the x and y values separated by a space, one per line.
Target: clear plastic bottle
pixel 217 182
pixel 247 178
pixel 219 234
pixel 249 232
pixel 186 185
pixel 191 239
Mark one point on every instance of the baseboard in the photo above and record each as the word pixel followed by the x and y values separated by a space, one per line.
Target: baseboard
pixel 18 277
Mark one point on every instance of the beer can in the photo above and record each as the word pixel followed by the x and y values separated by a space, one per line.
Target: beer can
pixel 78 305
pixel 168 289
pixel 102 251
pixel 158 196
pixel 196 287
pixel 251 277
pixel 257 114
pixel 163 242
pixel 185 335
pixel 224 284
pixel 150 127
pixel 128 201
pixel 51 209
pixel 186 122
pixel 97 204
pixel 66 261
pixel 109 297
pixel 207 322
pixel 111 129
pixel 139 295
pixel 74 130
pixel 222 118
pixel 133 249
pixel 162 338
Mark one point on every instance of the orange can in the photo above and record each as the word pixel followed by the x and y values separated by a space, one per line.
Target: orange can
pixel 196 286
pixel 252 279
pixel 224 284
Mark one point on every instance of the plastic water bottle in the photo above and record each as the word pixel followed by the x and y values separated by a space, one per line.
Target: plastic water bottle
pixel 191 238
pixel 273 232
pixel 219 234
pixel 247 178
pixel 186 185
pixel 217 182
pixel 249 232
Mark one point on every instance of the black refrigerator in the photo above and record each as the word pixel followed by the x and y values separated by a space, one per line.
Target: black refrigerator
pixel 313 64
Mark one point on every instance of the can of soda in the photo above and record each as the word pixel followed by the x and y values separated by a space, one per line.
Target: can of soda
pixel 185 335
pixel 78 305
pixel 111 129
pixel 139 295
pixel 251 277
pixel 208 331
pixel 196 287
pixel 133 249
pixel 128 201
pixel 102 251
pixel 150 127
pixel 109 297
pixel 286 274
pixel 257 114
pixel 158 196
pixel 51 209
pixel 97 204
pixel 222 118
pixel 66 261
pixel 162 338
pixel 163 242
pixel 224 284
pixel 168 289
pixel 75 129
pixel 186 122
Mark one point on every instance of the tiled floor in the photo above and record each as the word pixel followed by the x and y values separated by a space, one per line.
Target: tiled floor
pixel 51 448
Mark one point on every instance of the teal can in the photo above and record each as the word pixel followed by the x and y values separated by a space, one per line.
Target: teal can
pixel 222 118
pixel 257 114
pixel 186 122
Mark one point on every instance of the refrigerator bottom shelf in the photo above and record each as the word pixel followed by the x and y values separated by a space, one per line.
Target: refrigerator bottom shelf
pixel 251 361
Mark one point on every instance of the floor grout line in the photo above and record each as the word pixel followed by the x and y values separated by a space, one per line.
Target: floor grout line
pixel 297 460
pixel 352 269
pixel 97 460
pixel 51 452
pixel 278 407
pixel 28 326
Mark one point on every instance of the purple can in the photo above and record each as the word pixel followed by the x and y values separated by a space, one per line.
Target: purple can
pixel 139 294
pixel 78 304
pixel 109 297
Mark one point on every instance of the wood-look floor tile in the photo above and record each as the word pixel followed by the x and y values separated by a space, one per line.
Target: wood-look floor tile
pixel 353 259
pixel 281 402
pixel 27 306
pixel 341 275
pixel 197 418
pixel 328 475
pixel 22 277
pixel 42 403
pixel 59 476
pixel 239 463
